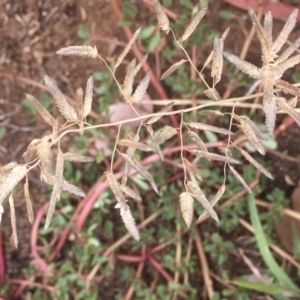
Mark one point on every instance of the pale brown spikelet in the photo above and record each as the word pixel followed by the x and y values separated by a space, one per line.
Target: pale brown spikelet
pixel 210 112
pixel 286 30
pixel 44 154
pixel 84 51
pixel 196 192
pixel 192 26
pixel 129 78
pixel 88 99
pixel 49 119
pixel 156 118
pixel 292 102
pixel 215 200
pixel 79 108
pixel 140 169
pixel 4 170
pixel 212 94
pixel 127 48
pixel 197 140
pixel 203 126
pixel 186 202
pixel 261 34
pixel 130 152
pixel 11 180
pixel 69 156
pixel 130 192
pixel 140 64
pixel 256 130
pixel 141 89
pixel 31 152
pixel 289 51
pixel 243 65
pixel 1 212
pixel 268 28
pixel 251 136
pixel 163 21
pixel 217 61
pixel 13 220
pixel 52 203
pixel 288 109
pixel 115 187
pixel 255 163
pixel 135 145
pixel 173 68
pixel 54 135
pixel 28 202
pixel 166 133
pixel 289 63
pixel 129 222
pixel 240 179
pixel 287 88
pixel 191 169
pixel 213 156
pixel 225 150
pixel 62 104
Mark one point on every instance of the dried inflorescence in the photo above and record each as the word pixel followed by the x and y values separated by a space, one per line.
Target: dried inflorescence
pixel 47 153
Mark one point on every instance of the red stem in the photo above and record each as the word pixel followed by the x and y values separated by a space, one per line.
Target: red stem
pixel 2 261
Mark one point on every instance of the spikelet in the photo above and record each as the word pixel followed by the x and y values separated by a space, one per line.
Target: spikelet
pixel 268 28
pixel 213 156
pixel 255 163
pixel 289 51
pixel 196 192
pixel 202 126
pixel 240 179
pixel 251 136
pixel 197 140
pixel 243 65
pixel 68 156
pixel 217 61
pixel 130 192
pixel 1 212
pixel 141 89
pixel 289 63
pixel 166 133
pixel 49 119
pixel 129 222
pixel 127 48
pixel 186 202
pixel 11 180
pixel 163 21
pixel 130 152
pixel 84 51
pixel 115 187
pixel 253 126
pixel 191 169
pixel 173 68
pixel 44 154
pixel 140 64
pixel 192 26
pixel 286 30
pixel 13 220
pixel 210 113
pixel 60 101
pixel 212 94
pixel 287 88
pixel 135 145
pixel 156 118
pixel 288 109
pixel 129 78
pixel 87 106
pixel 215 199
pixel 28 202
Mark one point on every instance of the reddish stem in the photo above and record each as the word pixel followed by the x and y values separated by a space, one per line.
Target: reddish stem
pixel 131 258
pixel 160 268
pixel 2 261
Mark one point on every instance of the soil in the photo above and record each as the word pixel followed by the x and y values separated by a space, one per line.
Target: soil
pixel 30 33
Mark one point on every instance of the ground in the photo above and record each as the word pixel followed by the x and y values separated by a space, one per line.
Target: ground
pixel 30 34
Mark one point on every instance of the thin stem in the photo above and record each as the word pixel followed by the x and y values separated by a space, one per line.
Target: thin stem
pixel 113 154
pixel 181 151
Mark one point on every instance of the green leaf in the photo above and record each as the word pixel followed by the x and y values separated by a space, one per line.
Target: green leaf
pixel 154 41
pixel 146 32
pixel 263 247
pixel 210 136
pixel 129 10
pixel 226 15
pixel 2 133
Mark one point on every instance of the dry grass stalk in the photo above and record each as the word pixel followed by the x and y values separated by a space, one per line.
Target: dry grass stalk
pixel 213 156
pixel 127 48
pixel 13 220
pixel 129 78
pixel 196 192
pixel 166 133
pixel 254 127
pixel 156 118
pixel 288 88
pixel 84 51
pixel 173 68
pixel 193 25
pixel 212 94
pixel 129 222
pixel 28 202
pixel 140 64
pixel 209 112
pixel 203 126
pixel 130 192
pixel 217 61
pixel 240 179
pixel 163 21
pixel 186 202
pixel 69 156
pixel 140 91
pixel 191 169
pixel 88 99
pixel 62 104
pixel 135 145
pixel 288 109
pixel 197 140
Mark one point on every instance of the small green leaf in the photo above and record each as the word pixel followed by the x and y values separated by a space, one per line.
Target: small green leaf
pixel 129 10
pixel 154 41
pixel 226 15
pixel 146 32
pixel 210 136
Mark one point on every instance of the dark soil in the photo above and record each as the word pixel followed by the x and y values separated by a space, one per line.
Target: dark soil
pixel 30 33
